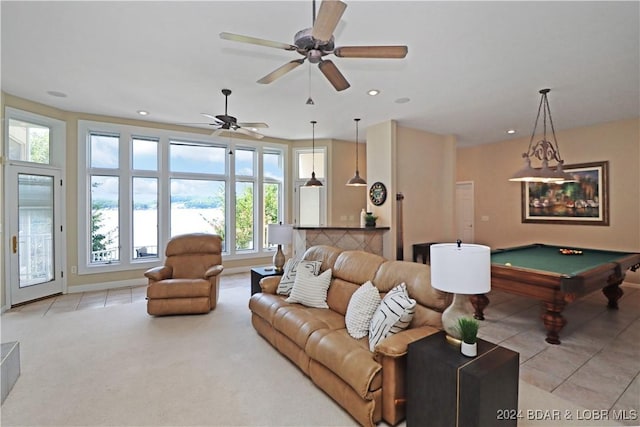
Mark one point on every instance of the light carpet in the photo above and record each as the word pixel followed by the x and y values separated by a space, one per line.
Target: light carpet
pixel 117 366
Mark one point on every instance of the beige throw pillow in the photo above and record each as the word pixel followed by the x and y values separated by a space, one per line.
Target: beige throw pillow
pixel 362 306
pixel 310 290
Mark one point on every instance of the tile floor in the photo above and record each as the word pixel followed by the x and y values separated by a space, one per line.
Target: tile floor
pixel 597 366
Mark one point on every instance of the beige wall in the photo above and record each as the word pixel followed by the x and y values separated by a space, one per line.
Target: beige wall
pixel 421 166
pixel 489 167
pixel 347 201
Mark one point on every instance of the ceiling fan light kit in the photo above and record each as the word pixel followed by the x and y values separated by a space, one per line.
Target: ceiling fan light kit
pixel 318 41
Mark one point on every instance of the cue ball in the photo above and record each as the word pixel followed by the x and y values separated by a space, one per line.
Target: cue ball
pixel 508 264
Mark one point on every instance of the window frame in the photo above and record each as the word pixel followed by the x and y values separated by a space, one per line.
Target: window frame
pixel 126 173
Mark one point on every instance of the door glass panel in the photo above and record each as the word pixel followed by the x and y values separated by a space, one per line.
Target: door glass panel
pixel 244 215
pixel 35 229
pixel 271 197
pixel 310 206
pixel 28 142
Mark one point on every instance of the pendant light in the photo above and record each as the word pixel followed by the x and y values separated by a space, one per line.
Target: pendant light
pixel 545 151
pixel 313 182
pixel 357 181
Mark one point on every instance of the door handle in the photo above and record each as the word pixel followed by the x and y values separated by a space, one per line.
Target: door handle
pixel 14 244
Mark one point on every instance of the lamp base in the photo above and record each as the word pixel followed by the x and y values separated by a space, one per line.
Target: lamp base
pixel 278 260
pixel 457 309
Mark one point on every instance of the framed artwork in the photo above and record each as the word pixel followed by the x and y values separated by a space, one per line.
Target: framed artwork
pixel 585 202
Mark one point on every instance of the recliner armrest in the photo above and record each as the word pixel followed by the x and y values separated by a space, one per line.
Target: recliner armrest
pixel 213 271
pixel 397 345
pixel 159 273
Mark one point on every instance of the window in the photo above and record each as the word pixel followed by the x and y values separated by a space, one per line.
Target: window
pixel 310 203
pixel 138 187
pixel 28 142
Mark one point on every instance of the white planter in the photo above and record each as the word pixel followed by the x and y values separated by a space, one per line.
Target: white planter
pixel 469 350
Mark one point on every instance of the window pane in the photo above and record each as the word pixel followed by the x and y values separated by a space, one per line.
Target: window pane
pixel 306 163
pixel 105 239
pixel 244 162
pixel 197 206
pixel 310 205
pixel 28 142
pixel 185 157
pixel 145 154
pixel 145 217
pixel 273 166
pixel 244 215
pixel 271 197
pixel 104 151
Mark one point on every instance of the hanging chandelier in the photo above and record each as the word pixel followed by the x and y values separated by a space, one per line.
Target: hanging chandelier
pixel 357 181
pixel 545 151
pixel 313 182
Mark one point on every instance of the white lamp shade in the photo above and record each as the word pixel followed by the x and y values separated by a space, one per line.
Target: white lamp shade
pixel 279 234
pixel 461 270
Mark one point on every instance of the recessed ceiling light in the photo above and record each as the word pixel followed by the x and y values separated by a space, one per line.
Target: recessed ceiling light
pixel 143 112
pixel 373 92
pixel 402 100
pixel 511 131
pixel 57 94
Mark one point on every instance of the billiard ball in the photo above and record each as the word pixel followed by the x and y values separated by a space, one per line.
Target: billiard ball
pixel 508 264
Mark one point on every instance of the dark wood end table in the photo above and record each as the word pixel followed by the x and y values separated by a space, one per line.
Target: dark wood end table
pixel 257 273
pixel 445 388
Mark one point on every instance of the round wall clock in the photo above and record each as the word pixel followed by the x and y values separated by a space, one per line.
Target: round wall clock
pixel 378 193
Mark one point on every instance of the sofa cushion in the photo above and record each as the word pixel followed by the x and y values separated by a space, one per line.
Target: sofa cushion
pixel 310 290
pixel 362 305
pixel 291 269
pixel 297 323
pixel 392 316
pixel 347 358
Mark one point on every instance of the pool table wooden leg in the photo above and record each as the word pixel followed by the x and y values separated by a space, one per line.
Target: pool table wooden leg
pixel 613 294
pixel 553 320
pixel 479 303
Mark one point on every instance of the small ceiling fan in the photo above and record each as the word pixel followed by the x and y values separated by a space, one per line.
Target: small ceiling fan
pixel 316 42
pixel 230 123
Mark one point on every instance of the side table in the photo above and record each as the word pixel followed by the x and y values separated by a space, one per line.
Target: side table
pixel 257 273
pixel 445 388
pixel 422 250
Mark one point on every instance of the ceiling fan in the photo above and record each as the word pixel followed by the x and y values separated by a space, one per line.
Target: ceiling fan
pixel 318 41
pixel 228 123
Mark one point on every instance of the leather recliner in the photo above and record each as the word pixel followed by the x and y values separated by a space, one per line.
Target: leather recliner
pixel 189 280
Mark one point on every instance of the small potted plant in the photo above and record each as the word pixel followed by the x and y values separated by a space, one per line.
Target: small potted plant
pixel 469 334
pixel 370 220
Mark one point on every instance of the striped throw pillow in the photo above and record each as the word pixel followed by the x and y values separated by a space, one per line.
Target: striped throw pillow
pixel 310 290
pixel 291 269
pixel 362 306
pixel 392 316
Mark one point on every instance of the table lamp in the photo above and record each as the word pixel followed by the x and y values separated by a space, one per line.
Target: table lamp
pixel 279 235
pixel 460 269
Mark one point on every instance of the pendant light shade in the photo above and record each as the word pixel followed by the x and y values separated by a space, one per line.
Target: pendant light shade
pixel 545 151
pixel 357 181
pixel 313 182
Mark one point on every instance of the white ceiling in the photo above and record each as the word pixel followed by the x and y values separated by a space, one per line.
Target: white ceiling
pixel 473 68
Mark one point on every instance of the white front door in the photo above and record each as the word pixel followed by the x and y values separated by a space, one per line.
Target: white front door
pixel 33 208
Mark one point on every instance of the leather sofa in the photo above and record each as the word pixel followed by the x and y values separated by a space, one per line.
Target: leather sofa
pixel 368 385
pixel 189 280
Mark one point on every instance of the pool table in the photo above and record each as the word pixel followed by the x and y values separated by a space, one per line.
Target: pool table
pixel 542 272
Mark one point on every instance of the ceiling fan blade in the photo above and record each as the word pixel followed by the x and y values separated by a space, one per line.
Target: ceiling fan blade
pixel 217 132
pixel 279 72
pixel 250 133
pixel 212 117
pixel 253 125
pixel 255 40
pixel 334 75
pixel 371 51
pixel 328 17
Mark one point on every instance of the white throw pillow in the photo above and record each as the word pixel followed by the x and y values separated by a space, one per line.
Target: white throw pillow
pixel 310 290
pixel 290 270
pixel 392 316
pixel 362 305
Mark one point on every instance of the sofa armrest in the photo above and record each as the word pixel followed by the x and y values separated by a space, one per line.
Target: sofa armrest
pixel 213 271
pixel 269 284
pixel 397 344
pixel 159 273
